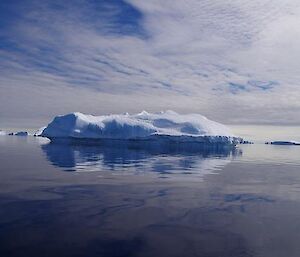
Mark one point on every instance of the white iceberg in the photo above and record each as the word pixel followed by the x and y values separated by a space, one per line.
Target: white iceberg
pixel 143 126
pixel 39 132
pixel 2 133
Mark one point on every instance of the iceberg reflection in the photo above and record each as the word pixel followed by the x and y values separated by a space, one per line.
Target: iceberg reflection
pixel 126 158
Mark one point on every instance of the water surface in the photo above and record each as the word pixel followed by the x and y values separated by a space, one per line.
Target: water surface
pixel 71 200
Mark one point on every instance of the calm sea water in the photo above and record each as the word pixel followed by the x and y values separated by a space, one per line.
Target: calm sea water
pixel 71 200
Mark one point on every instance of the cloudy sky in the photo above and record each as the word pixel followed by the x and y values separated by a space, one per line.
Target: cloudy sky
pixel 235 61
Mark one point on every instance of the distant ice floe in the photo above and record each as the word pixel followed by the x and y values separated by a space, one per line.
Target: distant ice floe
pixel 2 133
pixel 169 126
pixel 283 143
pixel 21 133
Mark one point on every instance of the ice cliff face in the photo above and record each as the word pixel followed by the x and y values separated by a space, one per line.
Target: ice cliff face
pixel 169 124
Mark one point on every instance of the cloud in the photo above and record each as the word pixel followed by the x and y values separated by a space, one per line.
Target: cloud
pixel 234 61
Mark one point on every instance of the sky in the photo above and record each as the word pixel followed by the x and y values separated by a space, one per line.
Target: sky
pixel 234 61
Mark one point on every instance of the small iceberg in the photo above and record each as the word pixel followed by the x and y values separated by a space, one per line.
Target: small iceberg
pixel 164 126
pixel 39 132
pixel 2 133
pixel 283 143
pixel 21 133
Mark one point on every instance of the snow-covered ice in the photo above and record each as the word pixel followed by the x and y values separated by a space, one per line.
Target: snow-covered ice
pixel 142 126
pixel 39 132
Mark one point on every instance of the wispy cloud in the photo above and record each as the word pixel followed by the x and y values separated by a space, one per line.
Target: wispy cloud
pixel 234 61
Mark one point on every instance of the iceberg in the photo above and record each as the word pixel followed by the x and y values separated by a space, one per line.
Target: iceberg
pixel 2 133
pixel 22 133
pixel 164 126
pixel 39 132
pixel 283 143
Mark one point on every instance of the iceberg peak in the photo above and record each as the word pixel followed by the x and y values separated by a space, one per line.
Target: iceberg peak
pixel 143 113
